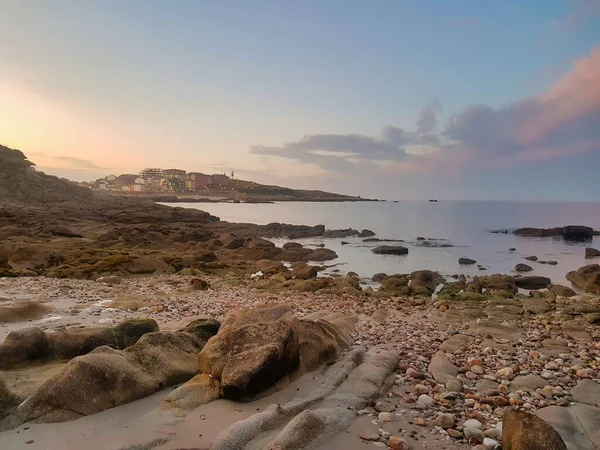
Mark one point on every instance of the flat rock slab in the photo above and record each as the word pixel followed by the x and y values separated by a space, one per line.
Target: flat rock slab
pixel 578 425
pixel 455 342
pixel 588 392
pixel 527 383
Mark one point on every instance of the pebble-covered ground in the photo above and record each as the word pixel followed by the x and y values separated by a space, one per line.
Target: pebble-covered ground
pixel 457 375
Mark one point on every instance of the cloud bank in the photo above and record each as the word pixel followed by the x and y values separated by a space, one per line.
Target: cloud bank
pixel 564 120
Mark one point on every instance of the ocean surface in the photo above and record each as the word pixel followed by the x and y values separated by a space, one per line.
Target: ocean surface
pixel 464 224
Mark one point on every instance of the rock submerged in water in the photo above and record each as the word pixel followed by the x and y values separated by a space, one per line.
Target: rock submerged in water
pixel 531 258
pixel 592 253
pixel 466 261
pixel 390 250
pixel 586 278
pixel 523 268
pixel 570 232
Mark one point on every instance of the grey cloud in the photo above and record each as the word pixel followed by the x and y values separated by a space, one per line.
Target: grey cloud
pixel 79 163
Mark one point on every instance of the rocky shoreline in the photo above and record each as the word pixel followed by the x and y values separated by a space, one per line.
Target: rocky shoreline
pixel 106 302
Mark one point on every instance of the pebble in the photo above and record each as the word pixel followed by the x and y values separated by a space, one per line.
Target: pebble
pixel 446 420
pixel 426 400
pixel 474 435
pixel 473 423
pixel 490 444
pixel 398 443
pixel 384 417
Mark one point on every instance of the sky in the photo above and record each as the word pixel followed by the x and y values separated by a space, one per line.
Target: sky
pixel 394 99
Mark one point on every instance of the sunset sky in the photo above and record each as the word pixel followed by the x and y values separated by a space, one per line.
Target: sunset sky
pixel 394 99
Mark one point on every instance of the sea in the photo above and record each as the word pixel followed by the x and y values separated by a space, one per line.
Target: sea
pixel 466 225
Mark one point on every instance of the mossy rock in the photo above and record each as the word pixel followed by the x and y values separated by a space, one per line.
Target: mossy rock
pixel 470 296
pixel 203 328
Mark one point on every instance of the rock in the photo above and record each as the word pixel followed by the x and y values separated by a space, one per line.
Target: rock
pixel 592 253
pixel 512 249
pixel 109 280
pixel 397 443
pixel 439 364
pixel 524 431
pixel 426 400
pixel 65 232
pixel 532 282
pixel 291 245
pixel 446 420
pixel 531 258
pixel 366 233
pixel 341 233
pixel 396 284
pixel 424 282
pixel 344 243
pixel 474 435
pixel 198 284
pixel 551 262
pixel 369 434
pixel 473 423
pixel 586 278
pixel 106 377
pixel 412 373
pixel 303 271
pixel 390 250
pixel 577 232
pixel 455 433
pixel 562 291
pixel 587 391
pixel 379 277
pixel 22 311
pixel 466 261
pixel 527 383
pixel 578 425
pixel 270 267
pixel 31 344
pixel 523 268
pixel 490 444
pixel 535 305
pixel 384 416
pixel 256 348
pixel 8 401
pixel 199 390
pixel 320 254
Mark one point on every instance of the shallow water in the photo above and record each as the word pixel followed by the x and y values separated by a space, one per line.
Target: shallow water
pixel 464 224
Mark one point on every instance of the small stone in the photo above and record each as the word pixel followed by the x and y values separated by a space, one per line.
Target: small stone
pixel 385 417
pixel 370 434
pixel 470 375
pixel 470 402
pixel 506 372
pixel 419 421
pixel 454 433
pixel 490 444
pixel 422 389
pixel 412 373
pixel 474 435
pixel 473 423
pixel 494 433
pixel 380 444
pixel 397 443
pixel 426 400
pixel 477 369
pixel 446 420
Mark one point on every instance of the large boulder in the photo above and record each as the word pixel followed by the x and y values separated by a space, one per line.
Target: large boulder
pixel 390 250
pixel 424 282
pixel 532 282
pixel 320 254
pixel 8 400
pixel 31 344
pixel 106 377
pixel 524 431
pixel 592 253
pixel 22 311
pixel 586 278
pixel 562 291
pixel 577 232
pixel 256 348
pixel 578 425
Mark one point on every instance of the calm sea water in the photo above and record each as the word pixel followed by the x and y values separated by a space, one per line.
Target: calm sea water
pixel 464 224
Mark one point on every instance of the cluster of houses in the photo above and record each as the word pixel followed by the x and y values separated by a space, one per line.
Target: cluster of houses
pixel 163 180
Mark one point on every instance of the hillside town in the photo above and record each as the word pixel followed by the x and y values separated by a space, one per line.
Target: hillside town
pixel 163 180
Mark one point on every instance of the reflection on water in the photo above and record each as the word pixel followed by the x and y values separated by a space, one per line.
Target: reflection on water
pixel 464 224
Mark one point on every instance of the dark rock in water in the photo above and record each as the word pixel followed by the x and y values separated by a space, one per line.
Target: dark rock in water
pixel 426 244
pixel 382 240
pixel 562 291
pixel 306 232
pixel 523 268
pixel 345 243
pixel 592 253
pixel 586 278
pixel 291 245
pixel 531 258
pixel 65 232
pixel 390 250
pixel 466 261
pixel 420 238
pixel 340 233
pixel 524 431
pixel 455 276
pixel 366 233
pixel 320 254
pixel 532 282
pixel 378 277
pixel 512 249
pixel 577 232
pixel 482 268
pixel 570 232
pixel 551 262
